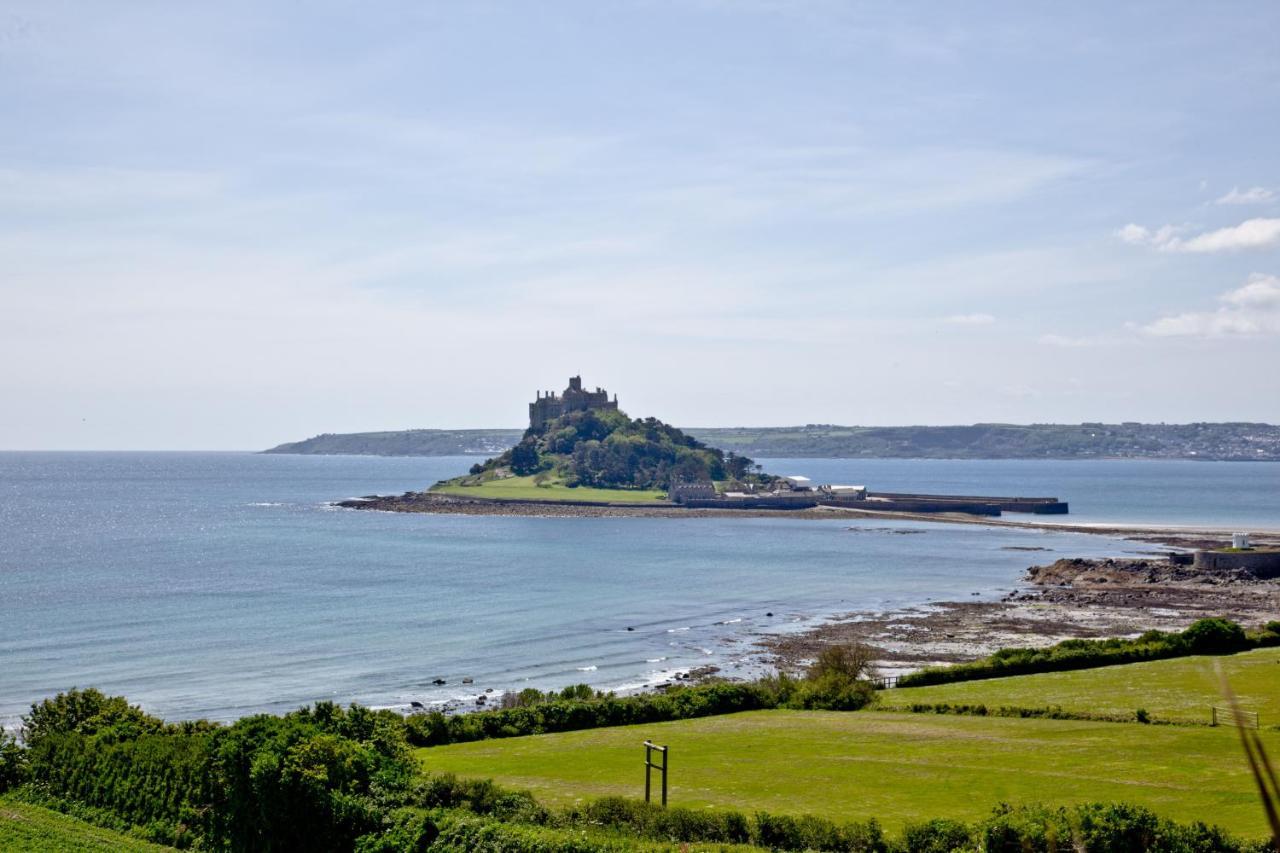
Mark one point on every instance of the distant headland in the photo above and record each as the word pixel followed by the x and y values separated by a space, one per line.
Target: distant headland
pixel 1195 441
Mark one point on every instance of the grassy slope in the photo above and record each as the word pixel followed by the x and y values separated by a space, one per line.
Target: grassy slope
pixel 524 488
pixel 1179 690
pixel 895 767
pixel 26 828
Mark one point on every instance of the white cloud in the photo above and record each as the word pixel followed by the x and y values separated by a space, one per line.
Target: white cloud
pixel 1253 195
pixel 1249 311
pixel 970 320
pixel 1161 238
pixel 1134 235
pixel 1250 234
pixel 1256 233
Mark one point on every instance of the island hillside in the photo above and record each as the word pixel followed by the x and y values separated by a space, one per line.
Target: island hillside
pixel 598 452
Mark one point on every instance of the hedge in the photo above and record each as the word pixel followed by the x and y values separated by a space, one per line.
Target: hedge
pixel 1206 636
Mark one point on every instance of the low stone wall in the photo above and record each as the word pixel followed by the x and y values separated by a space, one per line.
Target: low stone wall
pixel 1262 564
pixel 1038 506
pixel 751 503
pixel 916 506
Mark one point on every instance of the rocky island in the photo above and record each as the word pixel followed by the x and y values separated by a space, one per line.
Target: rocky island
pixel 583 455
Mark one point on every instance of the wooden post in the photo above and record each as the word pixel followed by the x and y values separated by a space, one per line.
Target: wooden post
pixel 650 766
pixel 666 757
pixel 648 770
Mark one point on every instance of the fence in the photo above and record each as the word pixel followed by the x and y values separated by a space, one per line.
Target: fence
pixel 885 682
pixel 1233 717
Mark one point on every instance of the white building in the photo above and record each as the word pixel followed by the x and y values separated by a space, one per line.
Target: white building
pixel 858 493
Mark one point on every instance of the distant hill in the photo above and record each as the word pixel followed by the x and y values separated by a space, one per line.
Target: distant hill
pixel 409 442
pixel 1227 441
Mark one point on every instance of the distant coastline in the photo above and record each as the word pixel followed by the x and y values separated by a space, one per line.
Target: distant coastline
pixel 1234 442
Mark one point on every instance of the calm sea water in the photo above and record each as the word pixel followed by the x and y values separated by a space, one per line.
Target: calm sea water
pixel 220 584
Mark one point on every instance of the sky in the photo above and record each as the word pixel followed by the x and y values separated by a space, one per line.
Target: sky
pixel 228 225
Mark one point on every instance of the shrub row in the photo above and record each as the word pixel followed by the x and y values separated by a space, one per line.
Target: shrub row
pixel 318 778
pixel 830 692
pixel 1206 636
pixel 1046 712
pixel 447 815
pixel 500 819
pixel 762 829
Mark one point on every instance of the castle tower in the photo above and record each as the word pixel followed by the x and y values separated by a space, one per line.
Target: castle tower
pixel 547 406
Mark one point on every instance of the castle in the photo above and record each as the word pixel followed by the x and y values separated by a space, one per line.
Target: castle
pixel 547 406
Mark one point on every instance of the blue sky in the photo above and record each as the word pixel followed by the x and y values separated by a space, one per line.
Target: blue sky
pixel 227 225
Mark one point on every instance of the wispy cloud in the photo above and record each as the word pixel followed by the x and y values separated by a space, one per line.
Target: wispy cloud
pixel 1075 342
pixel 1249 311
pixel 1253 195
pixel 970 320
pixel 1258 233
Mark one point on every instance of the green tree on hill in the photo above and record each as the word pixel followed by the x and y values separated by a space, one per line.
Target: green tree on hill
pixel 608 449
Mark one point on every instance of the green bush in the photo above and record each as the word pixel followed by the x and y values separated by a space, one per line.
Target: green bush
pixel 1029 829
pixel 86 712
pixel 461 833
pixel 403 831
pixel 1215 636
pixel 1099 828
pixel 832 693
pixel 479 796
pixel 647 820
pixel 13 762
pixel 936 836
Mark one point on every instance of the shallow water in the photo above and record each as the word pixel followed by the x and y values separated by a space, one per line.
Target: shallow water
pixel 220 584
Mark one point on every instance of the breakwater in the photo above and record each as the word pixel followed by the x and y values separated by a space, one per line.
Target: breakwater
pixel 1037 506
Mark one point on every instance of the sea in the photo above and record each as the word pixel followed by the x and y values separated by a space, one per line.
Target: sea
pixel 217 585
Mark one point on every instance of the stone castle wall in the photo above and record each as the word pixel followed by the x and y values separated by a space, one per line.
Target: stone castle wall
pixel 1262 564
pixel 574 399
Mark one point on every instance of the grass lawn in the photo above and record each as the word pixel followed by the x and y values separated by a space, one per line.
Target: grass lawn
pixel 891 766
pixel 30 829
pixel 1181 689
pixel 526 489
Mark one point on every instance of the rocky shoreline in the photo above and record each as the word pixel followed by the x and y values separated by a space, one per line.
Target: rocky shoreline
pixel 1067 599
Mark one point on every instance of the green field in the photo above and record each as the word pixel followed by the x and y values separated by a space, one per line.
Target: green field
pixel 525 488
pixel 892 766
pixel 26 828
pixel 1178 690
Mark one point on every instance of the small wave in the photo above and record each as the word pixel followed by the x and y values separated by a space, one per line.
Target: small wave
pixel 730 621
pixel 654 660
pixel 266 503
pixel 675 630
pixel 588 668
